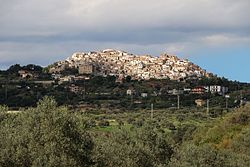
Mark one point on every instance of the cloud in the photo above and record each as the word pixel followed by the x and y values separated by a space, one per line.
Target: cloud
pixel 59 16
pixel 225 40
pixel 43 31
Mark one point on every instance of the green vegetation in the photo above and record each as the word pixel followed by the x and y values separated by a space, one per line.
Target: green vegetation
pixel 24 86
pixel 50 135
pixel 45 136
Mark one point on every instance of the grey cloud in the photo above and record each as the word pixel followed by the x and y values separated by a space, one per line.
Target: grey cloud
pixel 34 29
pixel 42 54
pixel 144 37
pixel 55 16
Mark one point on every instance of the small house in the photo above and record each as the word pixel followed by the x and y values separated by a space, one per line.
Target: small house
pixel 199 90
pixel 25 74
pixel 200 102
pixel 130 92
pixel 144 95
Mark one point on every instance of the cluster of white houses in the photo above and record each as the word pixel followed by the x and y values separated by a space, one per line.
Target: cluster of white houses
pixel 122 64
pixel 213 89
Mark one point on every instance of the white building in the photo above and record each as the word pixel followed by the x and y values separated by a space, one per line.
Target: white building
pixel 144 95
pixel 130 92
pixel 218 89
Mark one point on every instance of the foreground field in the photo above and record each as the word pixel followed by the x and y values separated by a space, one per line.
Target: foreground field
pixel 55 136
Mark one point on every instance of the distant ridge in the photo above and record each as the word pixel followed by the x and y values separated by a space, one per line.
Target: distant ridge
pixel 121 64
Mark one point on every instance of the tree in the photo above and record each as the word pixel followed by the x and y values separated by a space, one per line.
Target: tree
pixel 128 79
pixel 14 69
pixel 242 143
pixel 183 133
pixel 3 113
pixel 207 156
pixel 45 136
pixel 139 147
pixel 33 67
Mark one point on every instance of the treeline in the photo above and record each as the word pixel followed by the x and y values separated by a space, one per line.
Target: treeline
pixel 30 67
pixel 54 136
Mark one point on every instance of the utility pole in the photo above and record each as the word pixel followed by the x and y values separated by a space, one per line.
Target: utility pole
pixel 132 100
pixel 152 110
pixel 178 101
pixel 227 97
pixel 6 89
pixel 241 98
pixel 207 106
pixel 226 103
pixel 84 89
pixel 6 92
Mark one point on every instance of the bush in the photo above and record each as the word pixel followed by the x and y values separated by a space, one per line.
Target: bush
pixel 241 118
pixel 120 122
pixel 130 120
pixel 143 147
pixel 138 123
pixel 103 123
pixel 90 123
pixel 207 156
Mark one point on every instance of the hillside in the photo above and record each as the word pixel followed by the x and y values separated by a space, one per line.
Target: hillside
pixel 222 142
pixel 122 64
pixel 48 135
pixel 25 85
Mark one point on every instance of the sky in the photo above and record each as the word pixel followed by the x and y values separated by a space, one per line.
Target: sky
pixel 215 34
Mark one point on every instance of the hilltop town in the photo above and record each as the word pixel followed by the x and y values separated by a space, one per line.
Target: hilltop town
pixel 121 64
pixel 117 79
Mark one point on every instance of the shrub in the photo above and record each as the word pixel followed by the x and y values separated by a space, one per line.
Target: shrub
pixel 103 123
pixel 241 118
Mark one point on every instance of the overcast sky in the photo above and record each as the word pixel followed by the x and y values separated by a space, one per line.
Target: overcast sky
pixel 215 34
